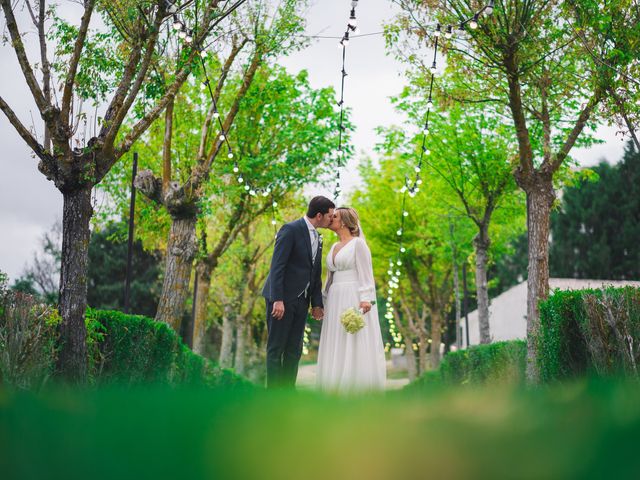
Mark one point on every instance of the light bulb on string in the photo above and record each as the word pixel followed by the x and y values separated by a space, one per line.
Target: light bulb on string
pixel 473 24
pixel 230 155
pixel 252 192
pixel 182 33
pixel 235 168
pixel 352 18
pixel 449 32
pixel 417 169
pixel 177 24
pixel 275 204
pixel 405 213
pixel 216 114
pixel 240 179
pixel 425 130
pixel 247 187
pixel 222 137
pixel 203 53
pixel 188 37
pixel 488 10
pixel 399 233
pixel 429 103
pixel 433 68
pixel 438 31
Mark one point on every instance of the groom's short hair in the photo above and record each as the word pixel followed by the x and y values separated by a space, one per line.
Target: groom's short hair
pixel 318 205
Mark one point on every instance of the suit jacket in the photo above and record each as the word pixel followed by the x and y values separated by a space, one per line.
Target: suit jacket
pixel 292 267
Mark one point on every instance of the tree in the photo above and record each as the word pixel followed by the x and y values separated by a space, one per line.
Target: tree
pixel 269 33
pixel 111 68
pixel 527 58
pixel 425 291
pixel 472 152
pixel 596 229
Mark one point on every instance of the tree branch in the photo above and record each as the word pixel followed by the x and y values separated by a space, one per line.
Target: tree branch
pixel 216 95
pixel 25 66
pixel 23 132
pixel 166 146
pixel 129 94
pixel 75 59
pixel 560 156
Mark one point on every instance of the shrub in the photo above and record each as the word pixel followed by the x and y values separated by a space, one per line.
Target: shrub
pixel 500 362
pixel 27 340
pixel 589 331
pixel 138 350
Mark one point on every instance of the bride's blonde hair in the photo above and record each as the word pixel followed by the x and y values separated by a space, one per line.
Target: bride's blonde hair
pixel 349 217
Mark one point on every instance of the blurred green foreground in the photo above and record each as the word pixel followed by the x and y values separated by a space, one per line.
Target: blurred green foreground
pixel 579 430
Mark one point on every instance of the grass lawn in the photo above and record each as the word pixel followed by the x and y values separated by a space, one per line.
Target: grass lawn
pixel 578 430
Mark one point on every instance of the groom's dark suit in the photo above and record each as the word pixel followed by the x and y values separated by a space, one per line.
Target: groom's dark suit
pixel 294 278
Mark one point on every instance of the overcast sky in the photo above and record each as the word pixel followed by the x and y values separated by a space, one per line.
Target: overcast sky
pixel 29 204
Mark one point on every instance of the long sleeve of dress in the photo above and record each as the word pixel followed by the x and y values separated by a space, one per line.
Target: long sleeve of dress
pixel 327 285
pixel 364 266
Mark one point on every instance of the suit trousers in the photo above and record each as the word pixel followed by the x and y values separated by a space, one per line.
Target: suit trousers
pixel 284 344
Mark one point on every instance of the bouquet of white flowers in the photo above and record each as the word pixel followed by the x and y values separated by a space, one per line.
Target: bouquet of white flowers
pixel 352 320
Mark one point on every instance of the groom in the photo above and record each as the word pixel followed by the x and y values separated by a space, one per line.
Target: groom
pixel 294 280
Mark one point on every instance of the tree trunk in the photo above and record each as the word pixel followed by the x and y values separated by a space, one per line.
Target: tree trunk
pixel 241 342
pixel 481 243
pixel 181 249
pixel 539 202
pixel 456 290
pixel 436 339
pixel 202 298
pixel 422 353
pixel 410 355
pixel 77 211
pixel 226 357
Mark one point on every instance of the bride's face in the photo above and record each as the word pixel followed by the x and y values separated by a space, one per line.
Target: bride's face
pixel 335 221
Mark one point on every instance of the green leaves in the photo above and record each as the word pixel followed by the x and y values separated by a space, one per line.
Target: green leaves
pixel 101 62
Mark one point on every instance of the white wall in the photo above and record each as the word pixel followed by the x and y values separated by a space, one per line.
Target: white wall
pixel 508 311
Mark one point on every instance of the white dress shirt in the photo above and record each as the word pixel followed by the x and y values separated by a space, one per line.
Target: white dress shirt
pixel 313 236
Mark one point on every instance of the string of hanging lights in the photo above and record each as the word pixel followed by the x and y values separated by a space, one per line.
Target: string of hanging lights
pixel 187 35
pixel 412 185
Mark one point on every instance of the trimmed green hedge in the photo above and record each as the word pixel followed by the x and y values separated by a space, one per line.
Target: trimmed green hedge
pixel 132 349
pixel 593 332
pixel 500 362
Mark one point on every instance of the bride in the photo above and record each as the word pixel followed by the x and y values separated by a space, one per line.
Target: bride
pixel 350 362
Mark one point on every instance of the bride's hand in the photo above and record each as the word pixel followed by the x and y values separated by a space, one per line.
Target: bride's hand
pixel 365 306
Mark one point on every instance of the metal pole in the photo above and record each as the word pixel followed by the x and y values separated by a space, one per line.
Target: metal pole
pixel 465 305
pixel 132 209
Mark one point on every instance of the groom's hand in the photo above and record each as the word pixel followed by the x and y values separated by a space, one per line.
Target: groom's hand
pixel 317 313
pixel 278 310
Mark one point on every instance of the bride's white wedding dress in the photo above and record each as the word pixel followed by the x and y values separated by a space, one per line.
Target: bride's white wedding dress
pixel 350 362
